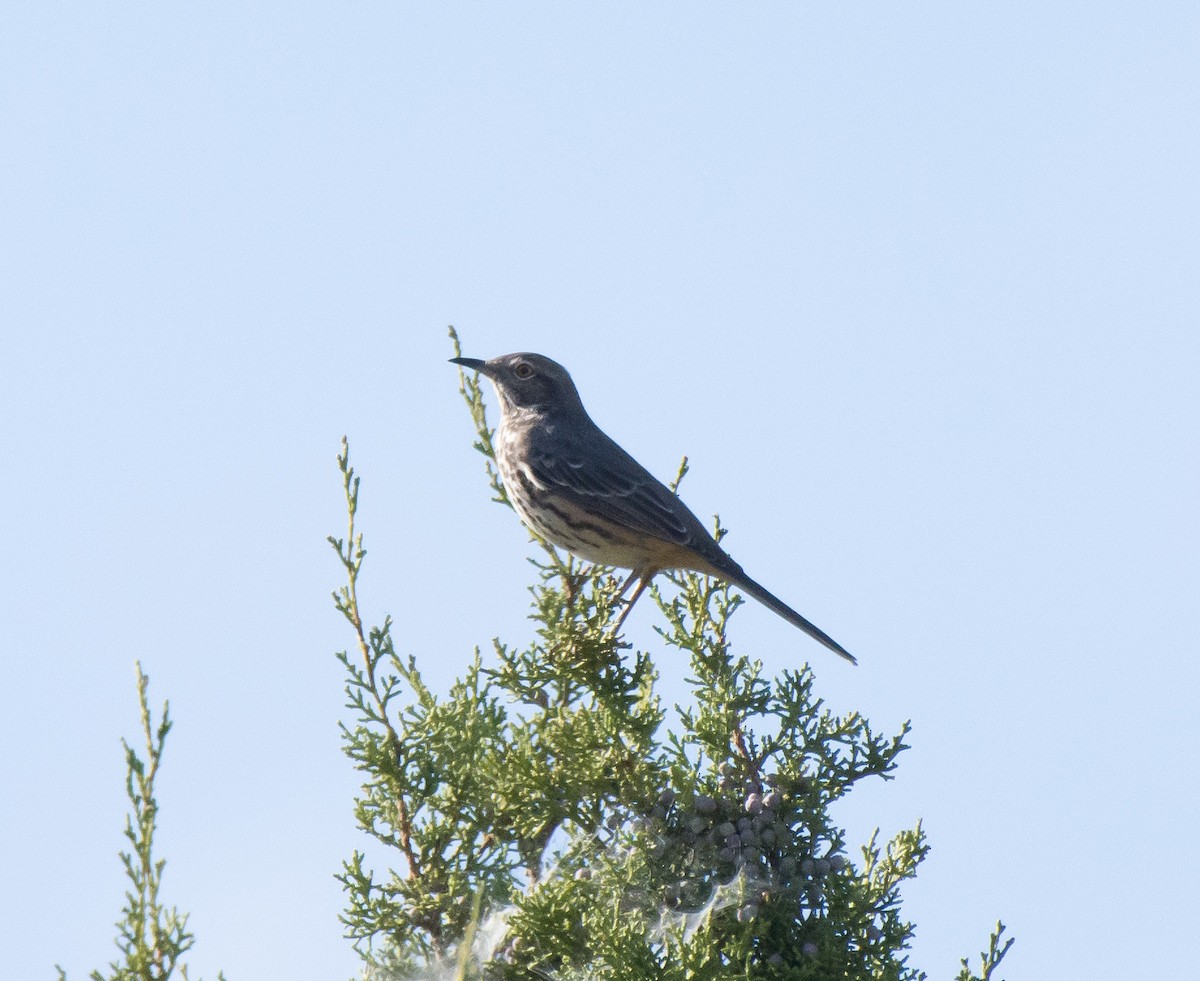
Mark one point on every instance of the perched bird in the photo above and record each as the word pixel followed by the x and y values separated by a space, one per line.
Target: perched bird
pixel 578 489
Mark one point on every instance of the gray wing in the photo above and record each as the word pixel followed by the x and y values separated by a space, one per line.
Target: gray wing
pixel 592 471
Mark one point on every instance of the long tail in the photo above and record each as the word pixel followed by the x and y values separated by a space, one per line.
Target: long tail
pixel 772 602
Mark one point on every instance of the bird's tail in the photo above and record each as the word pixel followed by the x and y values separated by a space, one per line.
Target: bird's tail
pixel 772 602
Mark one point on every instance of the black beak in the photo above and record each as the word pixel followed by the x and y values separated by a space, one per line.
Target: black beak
pixel 473 363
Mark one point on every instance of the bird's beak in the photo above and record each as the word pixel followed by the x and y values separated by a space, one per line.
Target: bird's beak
pixel 473 363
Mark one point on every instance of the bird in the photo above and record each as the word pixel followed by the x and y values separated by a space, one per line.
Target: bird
pixel 578 489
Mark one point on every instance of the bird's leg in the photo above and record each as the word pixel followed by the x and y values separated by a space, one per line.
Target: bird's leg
pixel 643 578
pixel 628 582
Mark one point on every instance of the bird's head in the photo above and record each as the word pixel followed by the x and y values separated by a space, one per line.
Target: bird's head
pixel 527 381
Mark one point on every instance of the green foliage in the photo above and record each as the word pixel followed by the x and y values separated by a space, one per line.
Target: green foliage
pixel 989 959
pixel 150 936
pixel 550 819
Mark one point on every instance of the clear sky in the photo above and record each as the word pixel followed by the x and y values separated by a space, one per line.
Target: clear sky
pixel 914 285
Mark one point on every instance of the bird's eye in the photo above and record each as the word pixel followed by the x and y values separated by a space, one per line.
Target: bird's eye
pixel 523 370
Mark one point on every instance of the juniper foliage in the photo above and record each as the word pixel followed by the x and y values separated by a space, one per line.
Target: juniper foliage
pixel 549 818
pixel 151 937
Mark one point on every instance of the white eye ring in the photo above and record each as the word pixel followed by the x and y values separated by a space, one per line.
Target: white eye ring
pixel 523 370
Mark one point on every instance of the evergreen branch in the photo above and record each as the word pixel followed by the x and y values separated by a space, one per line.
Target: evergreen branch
pixel 373 650
pixel 989 959
pixel 151 937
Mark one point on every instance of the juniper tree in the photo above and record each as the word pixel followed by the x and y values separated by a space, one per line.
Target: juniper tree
pixel 550 818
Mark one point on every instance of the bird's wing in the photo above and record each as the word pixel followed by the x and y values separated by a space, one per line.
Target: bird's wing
pixel 593 472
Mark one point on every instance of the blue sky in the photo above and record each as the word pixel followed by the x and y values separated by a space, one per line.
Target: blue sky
pixel 913 285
